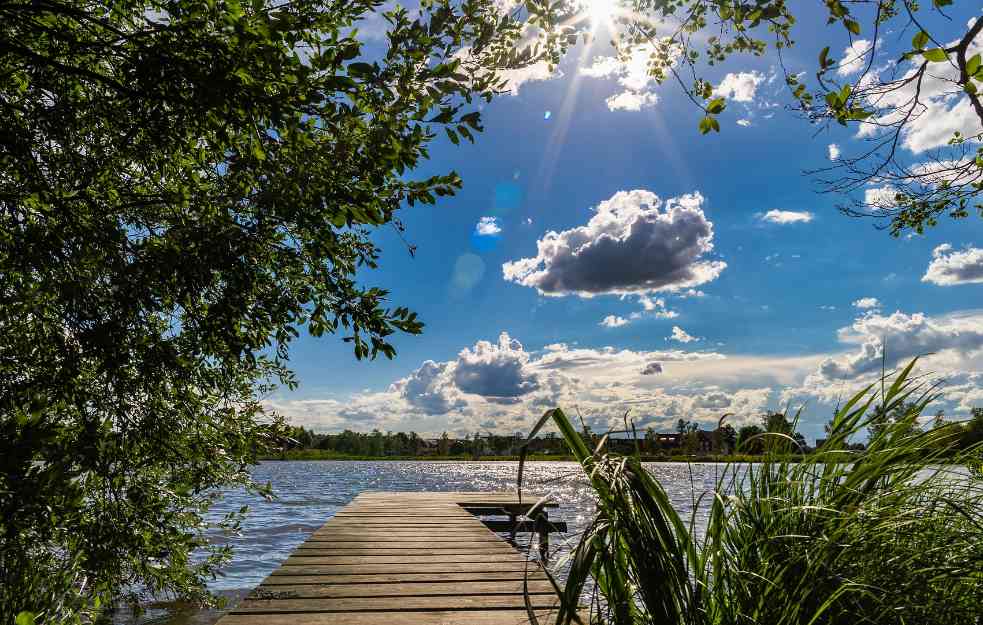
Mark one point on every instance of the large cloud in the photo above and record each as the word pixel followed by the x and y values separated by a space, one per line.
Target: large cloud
pixel 902 337
pixel 495 370
pixel 949 267
pixel 429 389
pixel 634 243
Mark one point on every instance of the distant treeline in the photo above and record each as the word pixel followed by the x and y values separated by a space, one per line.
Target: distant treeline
pixel 773 431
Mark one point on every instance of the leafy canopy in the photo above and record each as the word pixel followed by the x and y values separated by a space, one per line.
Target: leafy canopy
pixel 185 186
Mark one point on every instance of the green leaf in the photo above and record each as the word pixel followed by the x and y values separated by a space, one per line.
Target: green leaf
pixel 973 65
pixel 709 123
pixel 970 88
pixel 25 618
pixel 824 61
pixel 920 40
pixel 716 106
pixel 852 26
pixel 360 68
pixel 935 55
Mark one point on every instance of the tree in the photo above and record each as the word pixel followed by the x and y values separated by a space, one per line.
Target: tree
pixel 184 187
pixel 746 441
pixel 900 418
pixel 680 41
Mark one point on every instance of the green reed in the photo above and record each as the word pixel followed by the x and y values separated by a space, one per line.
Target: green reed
pixel 890 534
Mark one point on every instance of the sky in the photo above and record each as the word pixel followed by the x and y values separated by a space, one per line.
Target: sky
pixel 605 257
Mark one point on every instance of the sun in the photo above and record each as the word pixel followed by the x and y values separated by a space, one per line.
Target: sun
pixel 600 11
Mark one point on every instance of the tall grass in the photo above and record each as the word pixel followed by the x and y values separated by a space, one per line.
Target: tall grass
pixel 892 534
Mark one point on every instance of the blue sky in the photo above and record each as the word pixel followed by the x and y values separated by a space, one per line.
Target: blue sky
pixel 769 285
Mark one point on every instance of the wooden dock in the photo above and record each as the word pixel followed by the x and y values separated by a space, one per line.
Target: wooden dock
pixel 405 559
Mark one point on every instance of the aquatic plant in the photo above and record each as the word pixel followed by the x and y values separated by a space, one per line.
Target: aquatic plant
pixel 889 534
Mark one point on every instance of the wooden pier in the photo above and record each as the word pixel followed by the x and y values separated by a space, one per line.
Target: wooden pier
pixel 406 559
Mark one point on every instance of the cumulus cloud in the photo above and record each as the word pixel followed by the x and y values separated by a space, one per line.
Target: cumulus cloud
pixel 634 243
pixel 949 267
pixel 652 368
pixel 904 336
pixel 488 227
pixel 786 217
pixel 740 87
pixel 854 57
pixel 614 321
pixel 632 101
pixel 678 334
pixel 429 389
pixel 866 303
pixel 834 151
pixel 495 369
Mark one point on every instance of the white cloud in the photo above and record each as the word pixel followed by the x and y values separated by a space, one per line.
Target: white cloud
pixel 632 101
pixel 903 336
pixel 744 122
pixel 945 108
pixel 786 217
pixel 632 72
pixel 505 386
pixel 740 87
pixel 614 321
pixel 834 151
pixel 634 243
pixel 495 369
pixel 536 72
pixel 488 227
pixel 880 197
pixel 867 303
pixel 429 389
pixel 949 267
pixel 855 58
pixel 678 334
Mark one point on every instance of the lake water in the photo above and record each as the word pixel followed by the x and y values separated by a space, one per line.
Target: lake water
pixel 310 492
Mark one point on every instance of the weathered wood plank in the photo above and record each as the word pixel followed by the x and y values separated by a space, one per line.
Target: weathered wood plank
pixel 389 604
pixel 420 567
pixel 298 591
pixel 458 617
pixel 281 577
pixel 318 559
pixel 375 550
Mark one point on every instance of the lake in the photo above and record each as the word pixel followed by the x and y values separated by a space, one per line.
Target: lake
pixel 310 492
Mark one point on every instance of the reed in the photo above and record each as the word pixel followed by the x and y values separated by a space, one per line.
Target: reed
pixel 892 534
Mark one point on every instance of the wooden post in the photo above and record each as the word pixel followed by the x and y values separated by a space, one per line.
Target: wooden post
pixel 543 529
pixel 512 526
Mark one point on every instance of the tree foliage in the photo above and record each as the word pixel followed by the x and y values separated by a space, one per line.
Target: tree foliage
pixel 184 187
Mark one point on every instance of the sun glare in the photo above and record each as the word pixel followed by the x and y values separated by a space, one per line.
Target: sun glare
pixel 600 11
